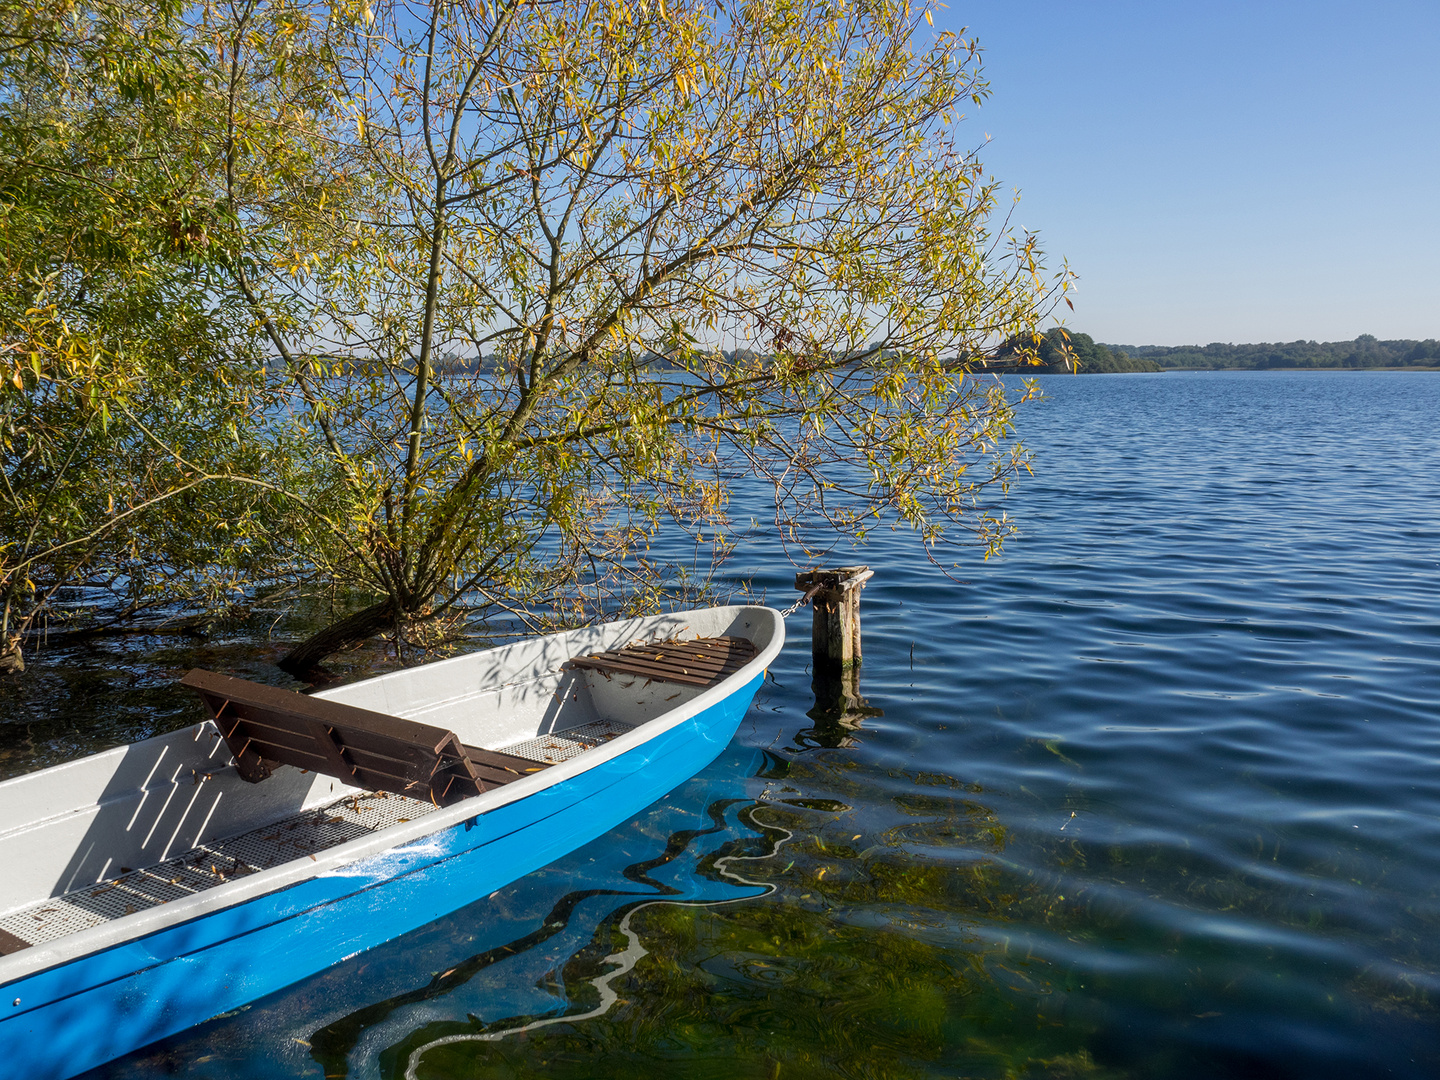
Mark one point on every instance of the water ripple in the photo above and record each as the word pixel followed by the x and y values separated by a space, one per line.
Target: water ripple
pixel 1152 795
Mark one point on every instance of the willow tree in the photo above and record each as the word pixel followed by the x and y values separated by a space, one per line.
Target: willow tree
pixel 572 262
pixel 133 416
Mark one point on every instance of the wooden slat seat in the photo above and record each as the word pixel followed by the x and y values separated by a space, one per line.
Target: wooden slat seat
pixel 511 765
pixel 265 726
pixel 696 662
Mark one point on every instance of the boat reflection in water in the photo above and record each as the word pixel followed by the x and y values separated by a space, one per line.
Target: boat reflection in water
pixel 567 965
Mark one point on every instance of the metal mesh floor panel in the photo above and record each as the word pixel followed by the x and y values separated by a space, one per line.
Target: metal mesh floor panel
pixel 564 745
pixel 205 867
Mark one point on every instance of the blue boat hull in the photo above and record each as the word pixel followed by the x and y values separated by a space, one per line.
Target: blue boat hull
pixel 100 1007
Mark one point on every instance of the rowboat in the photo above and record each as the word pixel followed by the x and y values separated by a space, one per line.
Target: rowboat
pixel 151 887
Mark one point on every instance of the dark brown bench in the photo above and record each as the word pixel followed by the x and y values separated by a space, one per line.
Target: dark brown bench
pixel 265 727
pixel 697 662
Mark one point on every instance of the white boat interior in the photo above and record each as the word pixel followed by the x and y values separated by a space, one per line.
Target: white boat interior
pixel 159 821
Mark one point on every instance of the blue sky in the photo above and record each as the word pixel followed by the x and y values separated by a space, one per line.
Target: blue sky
pixel 1222 171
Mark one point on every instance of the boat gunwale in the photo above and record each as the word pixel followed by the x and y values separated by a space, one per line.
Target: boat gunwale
pixel 331 862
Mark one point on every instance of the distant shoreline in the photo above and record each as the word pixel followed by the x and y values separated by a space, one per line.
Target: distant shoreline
pixel 1282 370
pixel 1238 370
pixel 1365 353
pixel 1060 350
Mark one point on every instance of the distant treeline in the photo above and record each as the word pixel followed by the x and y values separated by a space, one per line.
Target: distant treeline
pixel 1366 351
pixel 1065 351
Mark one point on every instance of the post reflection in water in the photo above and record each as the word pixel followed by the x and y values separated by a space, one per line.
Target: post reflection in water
pixel 839 709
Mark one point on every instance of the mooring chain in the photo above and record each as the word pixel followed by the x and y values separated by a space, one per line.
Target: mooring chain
pixel 798 604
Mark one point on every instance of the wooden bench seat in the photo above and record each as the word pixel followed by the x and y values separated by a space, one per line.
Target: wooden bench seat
pixel 265 726
pixel 696 662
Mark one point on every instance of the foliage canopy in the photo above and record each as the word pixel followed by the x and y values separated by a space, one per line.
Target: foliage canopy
pixel 485 294
pixel 131 405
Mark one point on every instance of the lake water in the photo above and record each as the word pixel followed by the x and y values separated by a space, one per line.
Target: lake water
pixel 1155 794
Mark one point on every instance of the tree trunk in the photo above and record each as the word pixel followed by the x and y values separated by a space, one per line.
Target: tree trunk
pixel 365 623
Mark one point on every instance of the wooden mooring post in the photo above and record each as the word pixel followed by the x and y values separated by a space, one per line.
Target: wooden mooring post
pixel 836 653
pixel 835 598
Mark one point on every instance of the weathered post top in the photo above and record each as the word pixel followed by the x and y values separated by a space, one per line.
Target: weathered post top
pixel 841 577
pixel 836 602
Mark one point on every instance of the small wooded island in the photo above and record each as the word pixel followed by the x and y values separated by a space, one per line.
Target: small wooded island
pixel 1063 351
